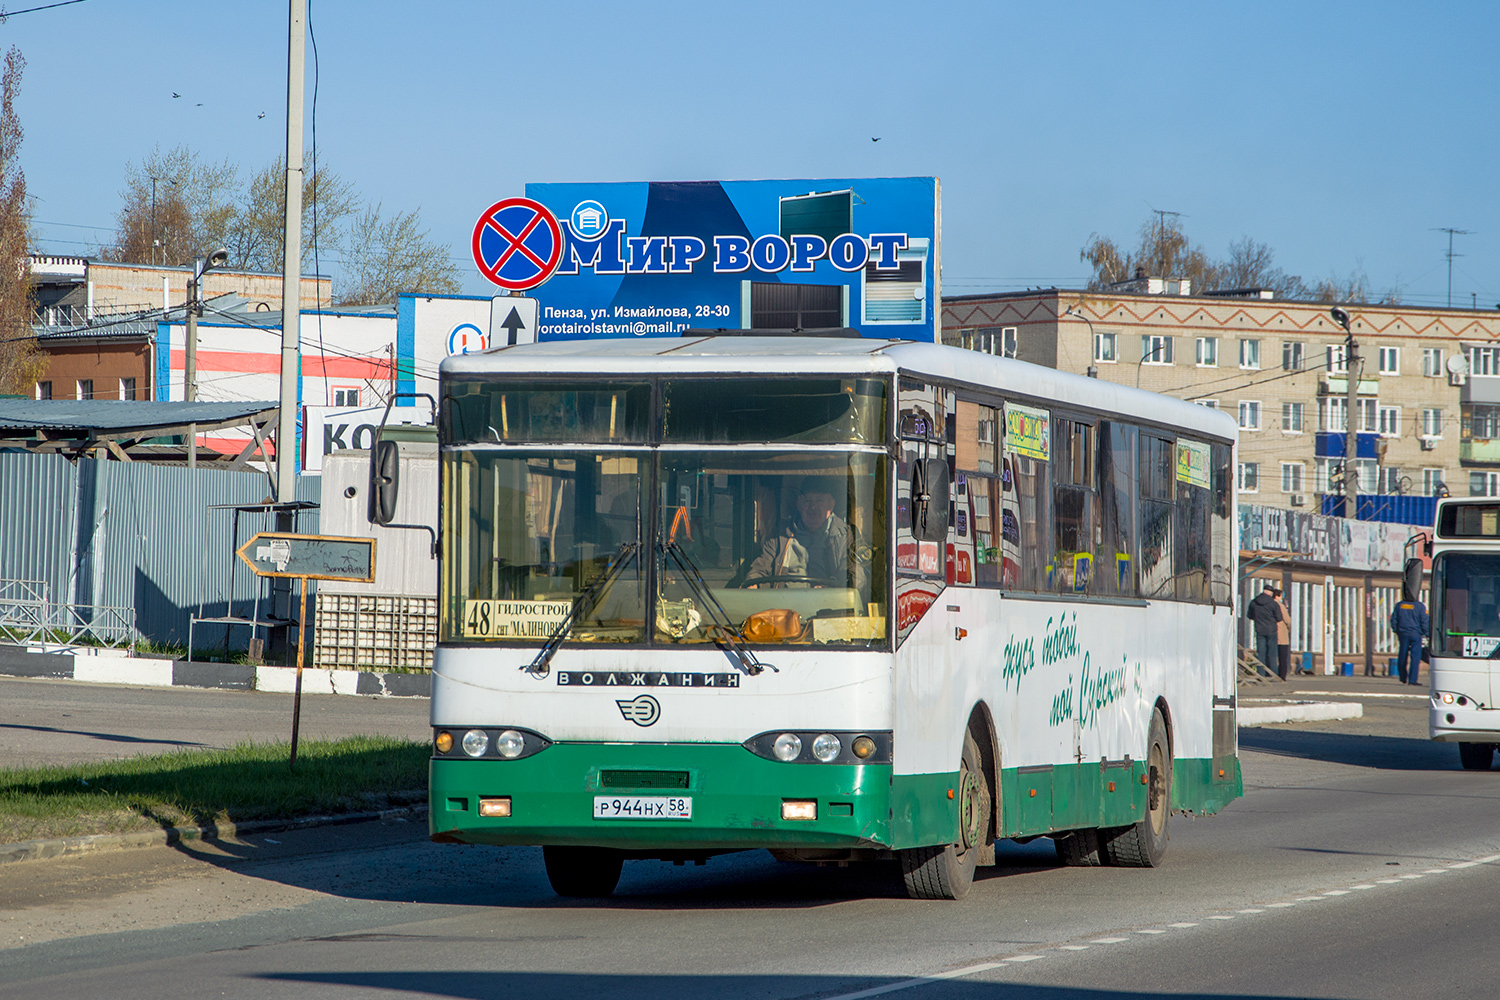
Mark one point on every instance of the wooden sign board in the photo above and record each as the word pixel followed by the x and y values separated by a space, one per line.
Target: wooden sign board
pixel 313 557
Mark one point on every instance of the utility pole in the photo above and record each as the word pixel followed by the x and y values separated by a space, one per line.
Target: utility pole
pixel 1351 424
pixel 291 273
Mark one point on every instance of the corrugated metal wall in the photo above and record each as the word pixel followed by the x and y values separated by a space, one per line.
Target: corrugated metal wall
pixel 133 535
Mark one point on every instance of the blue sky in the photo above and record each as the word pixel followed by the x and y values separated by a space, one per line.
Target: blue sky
pixel 1341 134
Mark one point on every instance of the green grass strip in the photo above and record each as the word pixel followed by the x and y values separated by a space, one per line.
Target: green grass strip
pixel 247 782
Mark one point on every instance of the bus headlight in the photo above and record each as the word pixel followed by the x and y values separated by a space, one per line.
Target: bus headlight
pixel 510 743
pixel 788 746
pixel 476 742
pixel 827 747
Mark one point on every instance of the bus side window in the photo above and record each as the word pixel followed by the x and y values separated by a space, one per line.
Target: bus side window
pixel 1222 555
pixel 1116 573
pixel 1075 525
pixel 1158 469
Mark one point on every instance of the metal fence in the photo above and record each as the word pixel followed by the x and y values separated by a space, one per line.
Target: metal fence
pixel 129 535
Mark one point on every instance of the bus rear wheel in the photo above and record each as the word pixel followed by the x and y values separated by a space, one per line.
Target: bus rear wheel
pixel 583 872
pixel 1142 844
pixel 1476 756
pixel 1079 849
pixel 947 872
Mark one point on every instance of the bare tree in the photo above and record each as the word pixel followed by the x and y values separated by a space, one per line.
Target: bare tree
pixel 172 207
pixel 21 362
pixel 1250 264
pixel 253 233
pixel 384 256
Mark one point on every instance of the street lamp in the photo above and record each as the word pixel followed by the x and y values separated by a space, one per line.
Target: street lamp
pixel 218 258
pixel 1074 310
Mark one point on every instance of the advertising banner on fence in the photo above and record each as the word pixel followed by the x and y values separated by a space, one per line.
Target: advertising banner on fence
pixel 651 259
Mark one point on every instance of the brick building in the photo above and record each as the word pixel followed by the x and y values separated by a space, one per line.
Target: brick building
pixel 1429 388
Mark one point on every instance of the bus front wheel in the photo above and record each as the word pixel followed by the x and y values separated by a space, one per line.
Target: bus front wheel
pixel 1476 756
pixel 947 872
pixel 583 872
pixel 1142 844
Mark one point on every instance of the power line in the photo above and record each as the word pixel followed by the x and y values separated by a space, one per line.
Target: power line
pixel 4 14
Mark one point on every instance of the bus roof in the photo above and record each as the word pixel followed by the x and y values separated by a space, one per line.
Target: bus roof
pixel 844 356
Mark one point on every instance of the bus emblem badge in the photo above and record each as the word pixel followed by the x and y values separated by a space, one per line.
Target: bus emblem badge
pixel 643 711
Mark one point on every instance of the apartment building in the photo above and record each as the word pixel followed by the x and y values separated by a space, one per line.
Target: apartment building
pixel 1428 410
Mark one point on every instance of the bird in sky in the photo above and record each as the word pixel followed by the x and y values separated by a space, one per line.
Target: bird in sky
pixel 198 105
pixel 874 138
pixel 176 94
pixel 261 115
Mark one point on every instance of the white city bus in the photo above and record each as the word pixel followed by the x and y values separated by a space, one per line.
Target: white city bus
pixel 844 599
pixel 1465 632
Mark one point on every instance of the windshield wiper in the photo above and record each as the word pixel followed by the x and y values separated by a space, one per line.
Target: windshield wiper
pixel 581 606
pixel 725 631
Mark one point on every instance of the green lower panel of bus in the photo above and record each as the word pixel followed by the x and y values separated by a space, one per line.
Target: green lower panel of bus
pixel 736 799
pixel 1039 800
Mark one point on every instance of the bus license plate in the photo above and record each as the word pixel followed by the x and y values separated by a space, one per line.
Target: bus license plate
pixel 643 807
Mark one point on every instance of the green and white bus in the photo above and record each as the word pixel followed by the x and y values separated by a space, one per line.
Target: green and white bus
pixel 1465 629
pixel 840 598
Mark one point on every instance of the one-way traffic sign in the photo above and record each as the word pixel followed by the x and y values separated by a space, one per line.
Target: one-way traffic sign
pixel 512 320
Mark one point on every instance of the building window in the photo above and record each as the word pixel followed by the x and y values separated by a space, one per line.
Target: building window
pixel 1291 477
pixel 1484 484
pixel 1432 361
pixel 1249 415
pixel 1249 354
pixel 1338 360
pixel 1432 422
pixel 44 390
pixel 1389 481
pixel 1156 350
pixel 1368 471
pixel 1333 414
pixel 1000 340
pixel 1325 473
pixel 1484 361
pixel 1212 404
pixel 85 388
pixel 345 397
pixel 127 388
pixel 1390 421
pixel 1483 423
pixel 1249 478
pixel 1291 417
pixel 1291 356
pixel 1432 482
pixel 1390 361
pixel 1208 352
pixel 1104 348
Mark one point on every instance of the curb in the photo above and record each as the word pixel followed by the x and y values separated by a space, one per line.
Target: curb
pixel 144 671
pixel 1263 711
pixel 57 847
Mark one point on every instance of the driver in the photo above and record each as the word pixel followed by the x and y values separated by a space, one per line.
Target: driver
pixel 816 544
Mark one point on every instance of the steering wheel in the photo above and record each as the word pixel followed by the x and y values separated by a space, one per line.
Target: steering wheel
pixel 821 581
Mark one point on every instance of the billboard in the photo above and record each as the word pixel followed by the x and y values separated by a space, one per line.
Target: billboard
pixel 651 259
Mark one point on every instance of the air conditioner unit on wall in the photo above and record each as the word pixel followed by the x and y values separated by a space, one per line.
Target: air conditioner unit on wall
pixel 1428 444
pixel 1457 378
pixel 1298 499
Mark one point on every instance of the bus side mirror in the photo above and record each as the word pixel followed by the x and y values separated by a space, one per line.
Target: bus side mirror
pixel 1411 580
pixel 929 500
pixel 385 481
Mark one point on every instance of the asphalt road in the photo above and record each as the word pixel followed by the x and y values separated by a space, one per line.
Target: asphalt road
pixel 1348 870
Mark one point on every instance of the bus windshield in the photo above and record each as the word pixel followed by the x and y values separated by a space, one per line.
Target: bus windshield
pixel 1466 615
pixel 774 546
pixel 790 547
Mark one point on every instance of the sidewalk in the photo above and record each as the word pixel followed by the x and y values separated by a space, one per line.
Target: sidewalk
pixel 108 666
pixel 1319 697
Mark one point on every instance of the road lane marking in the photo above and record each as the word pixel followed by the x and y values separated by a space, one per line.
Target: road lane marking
pixel 906 984
pixel 1074 947
pixel 1109 940
pixel 1281 905
pixel 1020 958
pixel 1251 911
pixel 1337 892
pixel 1151 930
pixel 1183 924
pixel 1363 885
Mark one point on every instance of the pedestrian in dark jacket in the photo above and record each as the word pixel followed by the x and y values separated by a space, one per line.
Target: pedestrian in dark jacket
pixel 1265 612
pixel 1409 622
